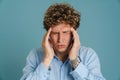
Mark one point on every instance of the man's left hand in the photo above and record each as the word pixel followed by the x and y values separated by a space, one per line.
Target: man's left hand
pixel 73 54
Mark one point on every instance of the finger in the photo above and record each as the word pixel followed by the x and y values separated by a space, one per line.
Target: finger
pixel 76 37
pixel 75 34
pixel 47 34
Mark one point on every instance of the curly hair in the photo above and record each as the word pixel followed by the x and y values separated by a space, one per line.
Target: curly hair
pixel 61 13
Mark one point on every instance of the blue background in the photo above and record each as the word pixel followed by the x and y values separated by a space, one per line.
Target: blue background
pixel 21 29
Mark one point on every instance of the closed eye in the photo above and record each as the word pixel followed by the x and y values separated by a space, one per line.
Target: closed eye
pixel 66 31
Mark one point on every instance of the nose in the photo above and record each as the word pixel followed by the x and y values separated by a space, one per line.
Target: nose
pixel 60 36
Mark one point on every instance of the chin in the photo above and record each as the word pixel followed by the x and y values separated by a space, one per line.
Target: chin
pixel 62 51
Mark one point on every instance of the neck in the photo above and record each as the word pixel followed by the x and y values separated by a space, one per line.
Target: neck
pixel 62 56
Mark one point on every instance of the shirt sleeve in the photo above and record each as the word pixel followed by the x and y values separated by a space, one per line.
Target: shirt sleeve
pixel 89 67
pixel 32 71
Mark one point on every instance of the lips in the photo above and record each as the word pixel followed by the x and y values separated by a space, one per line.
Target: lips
pixel 61 46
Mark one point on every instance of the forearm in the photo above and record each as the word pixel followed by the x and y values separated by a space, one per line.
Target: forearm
pixel 40 73
pixel 88 68
pixel 83 73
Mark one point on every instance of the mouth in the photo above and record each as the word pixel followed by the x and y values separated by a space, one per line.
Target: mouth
pixel 61 46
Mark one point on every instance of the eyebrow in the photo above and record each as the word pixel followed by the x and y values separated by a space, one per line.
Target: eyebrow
pixel 54 32
pixel 58 31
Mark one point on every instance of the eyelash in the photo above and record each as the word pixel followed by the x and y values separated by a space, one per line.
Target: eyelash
pixel 55 33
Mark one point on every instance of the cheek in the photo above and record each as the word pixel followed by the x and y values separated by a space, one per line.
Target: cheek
pixel 68 39
pixel 53 38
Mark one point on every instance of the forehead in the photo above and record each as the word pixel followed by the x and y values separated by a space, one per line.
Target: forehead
pixel 61 27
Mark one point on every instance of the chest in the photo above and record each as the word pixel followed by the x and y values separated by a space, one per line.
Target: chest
pixel 60 71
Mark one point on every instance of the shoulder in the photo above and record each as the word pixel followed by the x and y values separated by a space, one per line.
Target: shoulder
pixel 35 51
pixel 84 50
pixel 86 53
pixel 35 54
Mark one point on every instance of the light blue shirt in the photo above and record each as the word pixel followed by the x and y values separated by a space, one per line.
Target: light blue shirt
pixel 88 69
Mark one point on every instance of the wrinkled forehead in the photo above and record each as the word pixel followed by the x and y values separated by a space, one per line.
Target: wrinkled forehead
pixel 61 27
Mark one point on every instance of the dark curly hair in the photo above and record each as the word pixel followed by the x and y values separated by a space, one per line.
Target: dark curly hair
pixel 61 13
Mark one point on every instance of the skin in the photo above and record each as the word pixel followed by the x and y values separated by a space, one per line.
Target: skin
pixel 59 40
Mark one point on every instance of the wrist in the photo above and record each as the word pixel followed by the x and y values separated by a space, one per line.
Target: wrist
pixel 72 57
pixel 47 62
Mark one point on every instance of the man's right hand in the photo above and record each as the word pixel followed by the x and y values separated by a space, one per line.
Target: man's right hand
pixel 48 49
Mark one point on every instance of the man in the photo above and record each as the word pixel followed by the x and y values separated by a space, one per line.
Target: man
pixel 62 57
